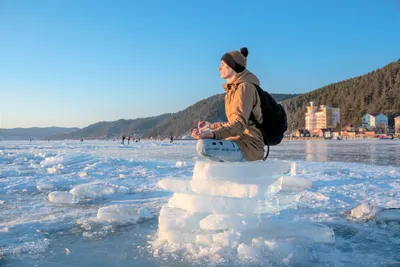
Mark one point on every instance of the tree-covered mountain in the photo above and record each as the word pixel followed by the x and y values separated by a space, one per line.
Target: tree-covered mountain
pixel 375 92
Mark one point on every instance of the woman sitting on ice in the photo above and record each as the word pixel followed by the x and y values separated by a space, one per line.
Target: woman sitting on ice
pixel 238 139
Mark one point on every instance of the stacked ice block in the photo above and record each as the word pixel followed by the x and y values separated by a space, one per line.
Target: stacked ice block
pixel 223 200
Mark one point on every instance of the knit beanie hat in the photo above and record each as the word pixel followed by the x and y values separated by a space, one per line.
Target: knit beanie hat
pixel 236 60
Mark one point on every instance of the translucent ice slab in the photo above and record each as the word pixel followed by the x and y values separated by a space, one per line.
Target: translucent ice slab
pixel 364 211
pixel 222 188
pixel 172 218
pixel 196 203
pixel 240 172
pixel 44 187
pixel 224 205
pixel 122 214
pixel 388 215
pixel 97 190
pixel 228 221
pixel 282 228
pixel 203 238
pixel 63 197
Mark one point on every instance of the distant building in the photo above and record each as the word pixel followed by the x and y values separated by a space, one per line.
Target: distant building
pixel 321 117
pixel 325 133
pixel 375 120
pixel 397 124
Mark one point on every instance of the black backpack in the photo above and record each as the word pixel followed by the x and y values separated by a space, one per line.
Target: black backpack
pixel 274 123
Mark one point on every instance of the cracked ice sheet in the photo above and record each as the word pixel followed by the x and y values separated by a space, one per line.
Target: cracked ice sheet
pixel 337 187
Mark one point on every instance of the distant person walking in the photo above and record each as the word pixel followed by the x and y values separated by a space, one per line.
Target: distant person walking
pixel 238 139
pixel 129 139
pixel 123 139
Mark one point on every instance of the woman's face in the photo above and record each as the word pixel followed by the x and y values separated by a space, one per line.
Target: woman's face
pixel 225 71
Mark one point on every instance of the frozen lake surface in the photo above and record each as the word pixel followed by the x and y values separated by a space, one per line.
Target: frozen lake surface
pixel 37 232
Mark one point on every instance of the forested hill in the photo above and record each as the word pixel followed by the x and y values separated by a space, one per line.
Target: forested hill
pixel 374 92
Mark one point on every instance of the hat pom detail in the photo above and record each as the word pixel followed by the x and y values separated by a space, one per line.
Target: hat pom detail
pixel 244 51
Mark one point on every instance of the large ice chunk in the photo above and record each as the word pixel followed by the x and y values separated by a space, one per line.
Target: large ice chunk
pixel 97 190
pixel 281 228
pixel 228 221
pixel 241 172
pixel 388 215
pixel 223 205
pixel 63 197
pixel 44 187
pixel 222 188
pixel 122 214
pixel 364 211
pixel 172 218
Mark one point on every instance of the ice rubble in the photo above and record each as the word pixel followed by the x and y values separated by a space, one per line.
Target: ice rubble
pixel 83 191
pixel 44 187
pixel 98 190
pixel 224 205
pixel 63 197
pixel 122 214
pixel 367 211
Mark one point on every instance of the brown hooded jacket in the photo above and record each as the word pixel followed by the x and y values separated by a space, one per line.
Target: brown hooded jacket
pixel 242 100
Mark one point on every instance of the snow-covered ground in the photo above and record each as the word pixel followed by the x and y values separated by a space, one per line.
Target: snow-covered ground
pixel 96 203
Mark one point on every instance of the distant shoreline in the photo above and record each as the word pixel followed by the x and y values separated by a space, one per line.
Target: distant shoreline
pixel 344 138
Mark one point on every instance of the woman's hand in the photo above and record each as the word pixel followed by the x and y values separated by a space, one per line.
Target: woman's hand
pixel 202 125
pixel 202 134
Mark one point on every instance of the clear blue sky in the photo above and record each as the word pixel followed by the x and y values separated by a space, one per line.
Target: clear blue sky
pixel 76 62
